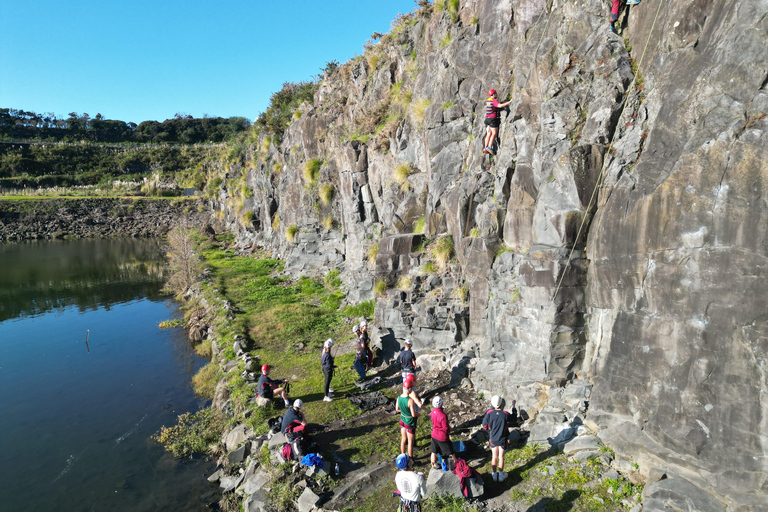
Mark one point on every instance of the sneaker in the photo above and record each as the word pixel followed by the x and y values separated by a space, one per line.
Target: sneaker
pixel 287 404
pixel 491 152
pixel 495 478
pixel 330 390
pixel 331 394
pixel 503 476
pixel 327 399
pixel 485 150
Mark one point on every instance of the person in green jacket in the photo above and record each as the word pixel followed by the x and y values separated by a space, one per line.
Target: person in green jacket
pixel 408 415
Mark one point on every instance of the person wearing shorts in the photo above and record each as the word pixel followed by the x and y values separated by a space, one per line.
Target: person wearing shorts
pixel 441 442
pixel 496 421
pixel 408 415
pixel 492 121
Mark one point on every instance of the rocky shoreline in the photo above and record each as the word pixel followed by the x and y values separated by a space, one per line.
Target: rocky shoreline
pixel 39 219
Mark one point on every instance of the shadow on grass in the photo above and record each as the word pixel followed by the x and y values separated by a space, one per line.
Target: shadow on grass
pixel 495 489
pixel 564 504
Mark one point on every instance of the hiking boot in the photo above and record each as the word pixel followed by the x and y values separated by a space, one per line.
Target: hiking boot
pixel 503 476
pixel 495 478
pixel 327 399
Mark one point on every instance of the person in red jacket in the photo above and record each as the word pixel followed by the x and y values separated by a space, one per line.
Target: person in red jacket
pixel 441 442
pixel 492 121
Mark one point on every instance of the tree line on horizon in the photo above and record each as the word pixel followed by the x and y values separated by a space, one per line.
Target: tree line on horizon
pixel 16 124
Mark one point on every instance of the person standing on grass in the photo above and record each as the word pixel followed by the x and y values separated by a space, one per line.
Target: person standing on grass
pixel 407 360
pixel 326 360
pixel 408 415
pixel 497 421
pixel 441 442
pixel 360 356
pixel 492 121
pixel 409 484
pixel 268 388
pixel 367 341
pixel 412 379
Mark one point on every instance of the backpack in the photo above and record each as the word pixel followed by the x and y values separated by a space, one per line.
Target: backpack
pixel 274 424
pixel 299 448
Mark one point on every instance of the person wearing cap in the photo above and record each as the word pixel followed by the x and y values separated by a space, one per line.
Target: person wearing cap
pixel 293 421
pixel 492 120
pixel 441 442
pixel 367 342
pixel 412 379
pixel 410 484
pixel 497 421
pixel 408 415
pixel 407 360
pixel 326 360
pixel 268 388
pixel 360 356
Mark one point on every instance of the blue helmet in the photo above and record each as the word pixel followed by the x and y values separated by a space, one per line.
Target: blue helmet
pixel 402 461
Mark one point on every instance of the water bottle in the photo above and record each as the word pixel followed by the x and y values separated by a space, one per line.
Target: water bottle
pixel 336 469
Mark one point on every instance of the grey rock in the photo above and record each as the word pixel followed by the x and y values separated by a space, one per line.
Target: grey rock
pixel 441 482
pixel 255 482
pixel 216 476
pixel 237 456
pixel 236 437
pixel 582 443
pixel 307 500
pixel 277 440
pixel 679 494
pixel 257 502
pixel 230 483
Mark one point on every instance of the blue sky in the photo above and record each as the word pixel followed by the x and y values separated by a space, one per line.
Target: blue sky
pixel 138 60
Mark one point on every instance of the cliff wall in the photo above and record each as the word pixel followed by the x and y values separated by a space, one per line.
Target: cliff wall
pixel 618 237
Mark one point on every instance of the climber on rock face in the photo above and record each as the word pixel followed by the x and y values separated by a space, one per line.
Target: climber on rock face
pixel 492 121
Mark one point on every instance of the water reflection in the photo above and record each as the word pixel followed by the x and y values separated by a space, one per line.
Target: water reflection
pixel 38 277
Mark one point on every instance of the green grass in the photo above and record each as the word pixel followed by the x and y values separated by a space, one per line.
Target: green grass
pixel 326 194
pixel 364 309
pixel 170 324
pixel 446 40
pixel 442 251
pixel 401 173
pixel 418 108
pixel 420 224
pixel 311 170
pixel 291 231
pixel 448 104
pixel 371 253
pixel 194 433
pixel 380 288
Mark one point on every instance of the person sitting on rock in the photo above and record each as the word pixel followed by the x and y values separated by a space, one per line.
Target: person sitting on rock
pixel 360 355
pixel 367 341
pixel 326 360
pixel 407 360
pixel 268 388
pixel 408 415
pixel 497 421
pixel 441 442
pixel 492 121
pixel 409 484
pixel 293 422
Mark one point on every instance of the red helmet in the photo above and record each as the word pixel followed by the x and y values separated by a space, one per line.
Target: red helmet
pixel 410 378
pixel 408 384
pixel 491 92
pixel 264 368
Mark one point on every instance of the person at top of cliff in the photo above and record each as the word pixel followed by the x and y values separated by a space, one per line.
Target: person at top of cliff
pixel 326 361
pixel 367 341
pixel 615 11
pixel 360 356
pixel 492 121
pixel 441 429
pixel 268 388
pixel 293 423
pixel 407 360
pixel 409 483
pixel 408 415
pixel 497 422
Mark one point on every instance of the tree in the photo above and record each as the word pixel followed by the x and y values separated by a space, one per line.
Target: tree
pixel 183 262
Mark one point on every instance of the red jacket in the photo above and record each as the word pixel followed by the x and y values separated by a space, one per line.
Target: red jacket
pixel 440 427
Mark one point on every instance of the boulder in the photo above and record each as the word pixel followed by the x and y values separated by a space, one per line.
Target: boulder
pixel 215 477
pixel 236 437
pixel 441 482
pixel 277 440
pixel 257 502
pixel 679 495
pixel 582 443
pixel 230 483
pixel 238 455
pixel 255 482
pixel 260 401
pixel 307 500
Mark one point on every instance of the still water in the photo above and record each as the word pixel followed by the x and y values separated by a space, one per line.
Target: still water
pixel 76 420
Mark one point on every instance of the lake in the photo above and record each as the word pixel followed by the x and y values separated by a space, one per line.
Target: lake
pixel 76 418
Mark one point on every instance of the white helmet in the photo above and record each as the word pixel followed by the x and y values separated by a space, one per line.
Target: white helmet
pixel 298 403
pixel 356 328
pixel 328 343
pixel 437 402
pixel 496 401
pixel 408 342
pixel 363 323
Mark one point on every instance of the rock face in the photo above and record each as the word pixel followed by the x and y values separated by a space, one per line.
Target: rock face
pixel 619 237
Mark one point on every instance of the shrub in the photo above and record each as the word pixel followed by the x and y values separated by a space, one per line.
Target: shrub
pixel 420 225
pixel 419 107
pixel 194 433
pixel 276 222
pixel 326 194
pixel 401 173
pixel 474 232
pixel 446 40
pixel 443 250
pixel 452 6
pixel 247 218
pixel 246 191
pixel 170 324
pixel 372 252
pixel 380 288
pixel 430 267
pixel 311 170
pixel 290 232
pixel 373 61
pixel 404 283
pixel 474 20
pixel 328 223
pixel 462 293
pixel 276 118
pixel 277 167
pixel 439 5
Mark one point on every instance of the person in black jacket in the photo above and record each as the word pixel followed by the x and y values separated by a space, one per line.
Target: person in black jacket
pixel 327 362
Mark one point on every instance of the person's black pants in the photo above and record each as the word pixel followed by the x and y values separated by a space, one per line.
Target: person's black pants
pixel 328 376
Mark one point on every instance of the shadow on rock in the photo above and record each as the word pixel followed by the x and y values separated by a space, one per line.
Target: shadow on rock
pixel 564 504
